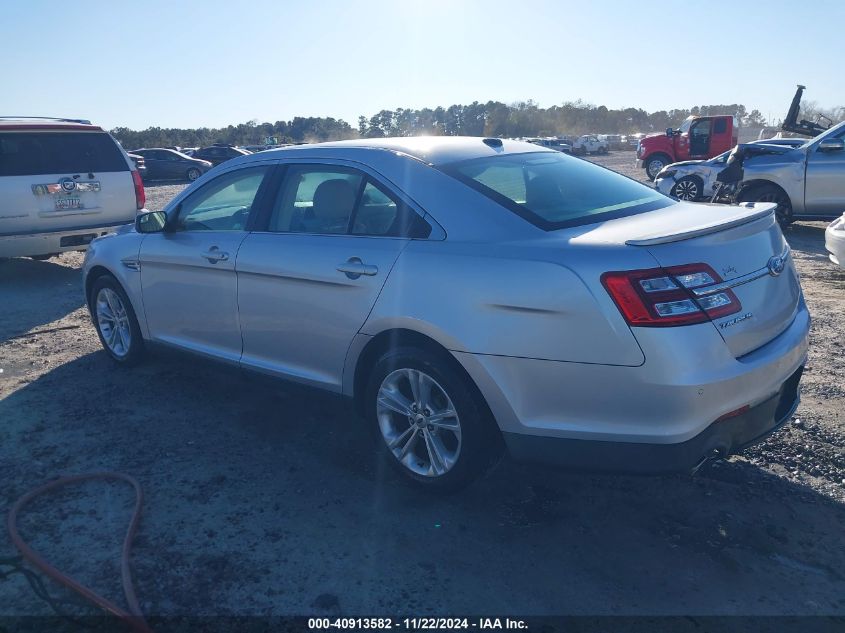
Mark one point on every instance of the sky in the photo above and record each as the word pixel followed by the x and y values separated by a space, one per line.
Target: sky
pixel 181 63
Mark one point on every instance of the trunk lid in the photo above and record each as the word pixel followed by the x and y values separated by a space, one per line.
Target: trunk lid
pixel 743 244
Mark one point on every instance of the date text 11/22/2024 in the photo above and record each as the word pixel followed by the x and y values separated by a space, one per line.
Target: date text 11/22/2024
pixel 417 623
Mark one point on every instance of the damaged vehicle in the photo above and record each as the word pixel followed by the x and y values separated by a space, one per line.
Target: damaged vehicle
pixel 806 183
pixel 695 180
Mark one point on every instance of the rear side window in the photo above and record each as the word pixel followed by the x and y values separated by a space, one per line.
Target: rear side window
pixel 334 200
pixel 42 153
pixel 720 126
pixel 554 191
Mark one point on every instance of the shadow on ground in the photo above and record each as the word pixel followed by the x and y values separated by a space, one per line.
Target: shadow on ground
pixel 34 293
pixel 268 499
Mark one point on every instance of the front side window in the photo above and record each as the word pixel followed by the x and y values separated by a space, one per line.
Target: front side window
pixel 224 203
pixel 554 191
pixel 702 128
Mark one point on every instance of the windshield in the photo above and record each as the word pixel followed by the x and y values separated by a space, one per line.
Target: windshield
pixel 554 191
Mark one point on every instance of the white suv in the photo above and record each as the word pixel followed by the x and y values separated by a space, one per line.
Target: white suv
pixel 63 182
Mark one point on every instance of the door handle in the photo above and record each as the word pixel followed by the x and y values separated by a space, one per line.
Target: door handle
pixel 354 268
pixel 214 255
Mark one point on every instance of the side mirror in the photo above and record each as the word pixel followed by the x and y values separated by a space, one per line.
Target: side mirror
pixel 151 222
pixel 832 145
pixel 670 132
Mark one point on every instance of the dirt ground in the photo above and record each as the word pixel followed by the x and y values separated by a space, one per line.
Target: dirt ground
pixel 264 498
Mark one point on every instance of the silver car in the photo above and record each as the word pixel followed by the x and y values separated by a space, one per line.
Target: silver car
pixel 696 179
pixel 472 294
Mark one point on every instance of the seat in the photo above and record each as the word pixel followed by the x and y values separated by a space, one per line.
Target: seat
pixel 332 206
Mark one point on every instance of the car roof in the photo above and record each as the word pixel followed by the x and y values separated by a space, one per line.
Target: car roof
pixel 21 124
pixel 434 150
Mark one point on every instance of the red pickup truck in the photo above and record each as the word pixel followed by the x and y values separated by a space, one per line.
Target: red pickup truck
pixel 699 137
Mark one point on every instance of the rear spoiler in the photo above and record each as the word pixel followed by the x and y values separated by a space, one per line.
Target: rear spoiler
pixel 765 209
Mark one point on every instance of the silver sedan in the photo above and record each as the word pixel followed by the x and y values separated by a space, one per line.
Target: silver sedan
pixel 472 295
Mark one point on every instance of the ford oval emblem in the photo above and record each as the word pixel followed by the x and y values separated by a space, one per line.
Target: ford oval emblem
pixel 776 265
pixel 67 184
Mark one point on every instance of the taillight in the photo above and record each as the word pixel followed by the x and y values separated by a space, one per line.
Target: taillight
pixel 661 297
pixel 140 196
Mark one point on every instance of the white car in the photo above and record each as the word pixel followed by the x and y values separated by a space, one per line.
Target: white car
pixel 834 241
pixel 696 179
pixel 589 144
pixel 63 182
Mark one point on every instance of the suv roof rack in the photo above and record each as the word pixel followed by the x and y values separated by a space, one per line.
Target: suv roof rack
pixel 45 118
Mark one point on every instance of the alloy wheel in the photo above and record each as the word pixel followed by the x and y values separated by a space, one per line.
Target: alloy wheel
pixel 113 321
pixel 193 174
pixel 686 190
pixel 418 422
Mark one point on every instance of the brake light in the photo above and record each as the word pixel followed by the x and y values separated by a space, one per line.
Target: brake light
pixel 661 297
pixel 140 195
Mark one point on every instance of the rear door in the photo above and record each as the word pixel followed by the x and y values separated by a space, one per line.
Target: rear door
pixel 308 280
pixel 173 165
pixel 156 165
pixel 188 273
pixel 722 138
pixel 63 179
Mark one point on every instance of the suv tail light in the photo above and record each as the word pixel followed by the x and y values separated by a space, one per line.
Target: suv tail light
pixel 660 297
pixel 140 196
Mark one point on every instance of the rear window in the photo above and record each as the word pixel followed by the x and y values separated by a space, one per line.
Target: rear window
pixel 554 191
pixel 41 153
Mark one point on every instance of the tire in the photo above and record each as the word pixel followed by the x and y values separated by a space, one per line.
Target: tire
pixel 602 150
pixel 192 174
pixel 770 193
pixel 442 456
pixel 688 188
pixel 115 321
pixel 654 164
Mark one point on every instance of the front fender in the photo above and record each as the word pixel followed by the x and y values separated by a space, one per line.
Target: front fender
pixel 117 254
pixel 789 176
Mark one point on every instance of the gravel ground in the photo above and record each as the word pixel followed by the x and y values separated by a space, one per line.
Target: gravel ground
pixel 264 498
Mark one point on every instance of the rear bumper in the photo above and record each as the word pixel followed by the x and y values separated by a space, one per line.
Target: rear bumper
pixel 75 239
pixel 721 438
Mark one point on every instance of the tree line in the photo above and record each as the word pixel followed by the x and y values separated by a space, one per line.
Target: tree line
pixel 493 118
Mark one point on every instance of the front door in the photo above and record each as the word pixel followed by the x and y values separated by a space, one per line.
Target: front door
pixel 307 283
pixel 824 191
pixel 188 273
pixel 699 138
